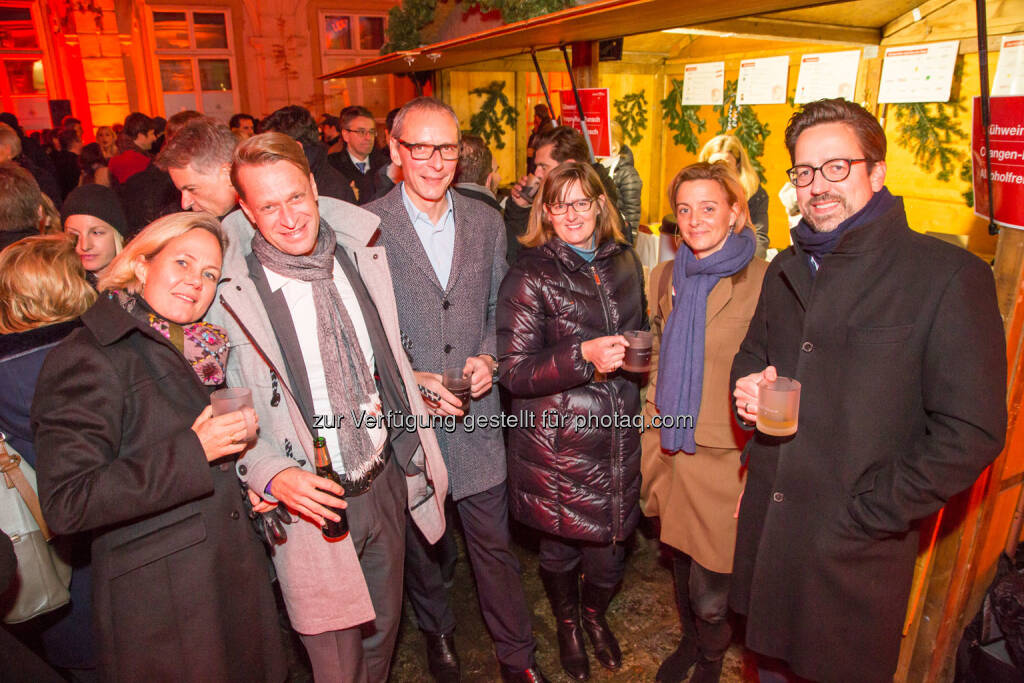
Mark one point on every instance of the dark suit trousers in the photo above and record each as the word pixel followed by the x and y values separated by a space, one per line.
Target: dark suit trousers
pixel 376 521
pixel 496 569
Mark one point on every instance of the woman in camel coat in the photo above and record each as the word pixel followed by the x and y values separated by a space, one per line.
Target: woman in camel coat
pixel 692 477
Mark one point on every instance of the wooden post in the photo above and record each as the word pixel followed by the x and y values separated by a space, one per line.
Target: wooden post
pixel 656 172
pixel 584 64
pixel 524 122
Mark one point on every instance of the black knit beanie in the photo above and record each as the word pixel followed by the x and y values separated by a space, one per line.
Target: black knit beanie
pixel 98 201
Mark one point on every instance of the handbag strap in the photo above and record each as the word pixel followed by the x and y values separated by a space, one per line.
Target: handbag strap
pixel 9 465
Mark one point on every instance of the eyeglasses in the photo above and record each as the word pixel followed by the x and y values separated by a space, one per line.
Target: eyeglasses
pixel 579 206
pixel 421 151
pixel 833 170
pixel 364 132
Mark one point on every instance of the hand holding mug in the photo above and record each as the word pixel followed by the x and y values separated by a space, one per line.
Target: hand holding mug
pixel 606 353
pixel 746 392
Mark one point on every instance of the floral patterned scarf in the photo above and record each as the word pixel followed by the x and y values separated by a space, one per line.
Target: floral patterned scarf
pixel 204 346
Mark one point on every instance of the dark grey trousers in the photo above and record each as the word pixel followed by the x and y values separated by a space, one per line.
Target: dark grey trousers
pixel 496 570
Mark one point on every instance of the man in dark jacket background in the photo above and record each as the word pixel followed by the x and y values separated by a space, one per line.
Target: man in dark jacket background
pixel 297 123
pixel 357 161
pixel 898 343
pixel 554 147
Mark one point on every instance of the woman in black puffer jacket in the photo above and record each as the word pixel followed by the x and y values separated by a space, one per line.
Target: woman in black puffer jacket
pixel 574 474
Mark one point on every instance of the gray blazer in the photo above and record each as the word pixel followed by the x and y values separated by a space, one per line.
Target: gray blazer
pixel 322 583
pixel 442 327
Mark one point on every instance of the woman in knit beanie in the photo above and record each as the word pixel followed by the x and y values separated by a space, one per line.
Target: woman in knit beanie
pixel 94 217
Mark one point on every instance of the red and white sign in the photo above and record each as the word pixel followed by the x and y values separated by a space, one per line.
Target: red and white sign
pixel 1006 142
pixel 596 109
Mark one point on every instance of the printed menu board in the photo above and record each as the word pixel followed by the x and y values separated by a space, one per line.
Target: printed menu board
pixel 1010 69
pixel 827 75
pixel 703 83
pixel 918 73
pixel 763 81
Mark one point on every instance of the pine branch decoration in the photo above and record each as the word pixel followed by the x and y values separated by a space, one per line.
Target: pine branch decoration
pixel 683 120
pixel 631 114
pixel 743 122
pixel 488 121
pixel 931 133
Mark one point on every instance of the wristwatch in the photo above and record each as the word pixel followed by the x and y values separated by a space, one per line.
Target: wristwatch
pixel 494 367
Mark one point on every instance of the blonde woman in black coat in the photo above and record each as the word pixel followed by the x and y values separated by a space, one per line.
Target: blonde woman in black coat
pixel 128 449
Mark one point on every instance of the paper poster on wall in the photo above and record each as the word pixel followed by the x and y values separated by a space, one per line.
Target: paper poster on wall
pixel 763 81
pixel 827 75
pixel 703 83
pixel 1006 151
pixel 596 109
pixel 918 73
pixel 1010 68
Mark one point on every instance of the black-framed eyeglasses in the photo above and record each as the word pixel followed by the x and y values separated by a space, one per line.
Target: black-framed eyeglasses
pixel 364 132
pixel 833 170
pixel 579 206
pixel 420 151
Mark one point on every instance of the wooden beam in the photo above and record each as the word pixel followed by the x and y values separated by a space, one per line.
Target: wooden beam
pixel 916 15
pixel 552 61
pixel 802 31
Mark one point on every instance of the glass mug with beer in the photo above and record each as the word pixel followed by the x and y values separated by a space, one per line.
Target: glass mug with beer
pixel 778 406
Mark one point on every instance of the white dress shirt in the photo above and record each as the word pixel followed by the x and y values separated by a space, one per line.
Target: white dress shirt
pixel 299 296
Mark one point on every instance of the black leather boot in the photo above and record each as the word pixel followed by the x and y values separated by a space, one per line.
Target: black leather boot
pixel 595 604
pixel 677 665
pixel 442 660
pixel 563 589
pixel 712 641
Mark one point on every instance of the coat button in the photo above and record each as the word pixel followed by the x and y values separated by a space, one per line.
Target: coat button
pixel 807 347
pixel 778 497
pixel 447 348
pixel 243 470
pixel 375 256
pixel 237 288
pixel 234 514
pixel 445 304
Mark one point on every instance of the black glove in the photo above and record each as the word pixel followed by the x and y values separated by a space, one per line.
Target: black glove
pixel 269 525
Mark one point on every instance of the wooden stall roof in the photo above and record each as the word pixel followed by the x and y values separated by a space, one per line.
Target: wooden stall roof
pixel 593 21
pixel 854 22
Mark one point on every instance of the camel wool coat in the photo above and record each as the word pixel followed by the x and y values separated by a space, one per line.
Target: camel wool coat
pixel 696 494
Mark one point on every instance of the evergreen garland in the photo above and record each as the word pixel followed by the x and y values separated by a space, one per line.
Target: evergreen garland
pixel 405 21
pixel 743 122
pixel 487 121
pixel 631 114
pixel 517 10
pixel 931 133
pixel 682 119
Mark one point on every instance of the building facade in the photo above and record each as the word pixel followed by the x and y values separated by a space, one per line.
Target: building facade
pixel 99 60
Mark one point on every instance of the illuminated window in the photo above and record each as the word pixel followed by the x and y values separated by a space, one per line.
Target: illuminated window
pixel 349 38
pixel 195 61
pixel 22 79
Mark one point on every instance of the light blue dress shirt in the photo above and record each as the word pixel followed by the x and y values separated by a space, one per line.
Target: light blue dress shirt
pixel 438 240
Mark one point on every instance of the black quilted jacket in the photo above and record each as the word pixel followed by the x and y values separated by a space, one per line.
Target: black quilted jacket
pixel 569 474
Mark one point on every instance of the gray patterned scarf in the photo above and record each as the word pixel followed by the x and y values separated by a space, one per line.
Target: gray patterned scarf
pixel 349 383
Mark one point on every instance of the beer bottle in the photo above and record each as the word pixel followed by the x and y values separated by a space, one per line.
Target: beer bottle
pixel 332 530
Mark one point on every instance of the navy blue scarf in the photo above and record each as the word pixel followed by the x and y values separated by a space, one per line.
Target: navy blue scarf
pixel 818 244
pixel 681 364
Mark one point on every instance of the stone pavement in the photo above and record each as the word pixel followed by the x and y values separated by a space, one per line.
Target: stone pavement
pixel 642 615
